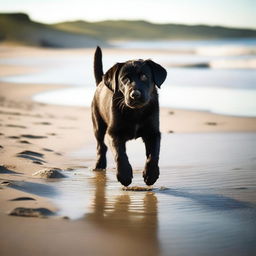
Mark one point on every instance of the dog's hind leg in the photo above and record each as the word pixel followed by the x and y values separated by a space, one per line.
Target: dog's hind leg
pixel 99 132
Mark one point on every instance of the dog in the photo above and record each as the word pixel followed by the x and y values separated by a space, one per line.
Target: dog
pixel 125 106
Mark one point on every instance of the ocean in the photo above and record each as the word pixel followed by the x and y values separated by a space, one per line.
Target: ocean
pixel 211 75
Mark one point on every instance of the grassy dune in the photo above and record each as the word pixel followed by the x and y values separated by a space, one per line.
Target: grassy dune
pixel 18 28
pixel 123 29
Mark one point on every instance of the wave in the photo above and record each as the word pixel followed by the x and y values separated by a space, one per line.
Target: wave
pixel 227 50
pixel 234 64
pixel 249 63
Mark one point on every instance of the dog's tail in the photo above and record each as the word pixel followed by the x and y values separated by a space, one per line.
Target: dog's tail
pixel 98 69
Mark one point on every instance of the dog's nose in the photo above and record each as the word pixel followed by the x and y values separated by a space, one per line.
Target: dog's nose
pixel 135 94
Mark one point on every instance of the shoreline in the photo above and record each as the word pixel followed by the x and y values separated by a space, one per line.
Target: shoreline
pixel 227 96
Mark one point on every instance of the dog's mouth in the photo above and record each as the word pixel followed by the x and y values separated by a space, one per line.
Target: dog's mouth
pixel 131 103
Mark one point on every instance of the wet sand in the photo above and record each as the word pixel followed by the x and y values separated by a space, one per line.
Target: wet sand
pixel 203 204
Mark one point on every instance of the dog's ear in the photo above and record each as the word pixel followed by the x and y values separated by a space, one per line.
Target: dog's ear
pixel 159 73
pixel 111 77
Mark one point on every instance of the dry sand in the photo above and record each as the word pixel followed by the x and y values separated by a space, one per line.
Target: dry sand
pixel 36 137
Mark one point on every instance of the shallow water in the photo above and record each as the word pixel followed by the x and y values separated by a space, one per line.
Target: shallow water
pixel 235 43
pixel 203 204
pixel 235 102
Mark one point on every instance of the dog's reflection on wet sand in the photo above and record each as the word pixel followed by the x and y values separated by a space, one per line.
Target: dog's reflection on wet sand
pixel 133 214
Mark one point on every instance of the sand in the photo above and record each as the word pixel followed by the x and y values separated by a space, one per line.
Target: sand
pixel 35 137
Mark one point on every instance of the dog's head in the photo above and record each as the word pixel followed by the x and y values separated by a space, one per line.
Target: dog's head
pixel 136 80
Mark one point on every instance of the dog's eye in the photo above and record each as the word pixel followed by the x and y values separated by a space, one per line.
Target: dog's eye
pixel 143 77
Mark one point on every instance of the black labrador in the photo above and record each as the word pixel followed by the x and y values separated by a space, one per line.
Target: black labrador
pixel 125 106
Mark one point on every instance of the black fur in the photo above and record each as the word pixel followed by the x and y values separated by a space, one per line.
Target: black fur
pixel 125 106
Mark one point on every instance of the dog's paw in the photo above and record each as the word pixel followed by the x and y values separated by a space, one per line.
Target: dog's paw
pixel 124 174
pixel 151 173
pixel 101 164
pixel 125 181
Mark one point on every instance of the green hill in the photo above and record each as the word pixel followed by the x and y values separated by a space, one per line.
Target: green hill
pixel 17 28
pixel 142 30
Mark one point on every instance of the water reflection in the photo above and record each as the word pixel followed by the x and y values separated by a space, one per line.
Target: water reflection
pixel 210 196
pixel 131 214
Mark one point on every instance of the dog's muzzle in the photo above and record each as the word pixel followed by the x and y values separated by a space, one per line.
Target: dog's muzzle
pixel 135 94
pixel 135 99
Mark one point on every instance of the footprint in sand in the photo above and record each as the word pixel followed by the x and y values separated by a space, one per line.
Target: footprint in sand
pixel 24 142
pixel 5 183
pixel 5 170
pixel 29 136
pixel 31 212
pixel 23 198
pixel 43 123
pixel 16 126
pixel 37 162
pixel 32 155
pixel 47 149
pixel 13 137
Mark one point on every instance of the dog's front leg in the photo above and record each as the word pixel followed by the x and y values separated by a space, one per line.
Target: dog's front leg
pixel 124 169
pixel 151 171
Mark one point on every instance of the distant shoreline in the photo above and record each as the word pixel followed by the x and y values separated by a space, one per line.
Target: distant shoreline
pixel 18 28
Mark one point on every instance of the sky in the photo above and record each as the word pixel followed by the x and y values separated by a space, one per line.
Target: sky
pixel 231 13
